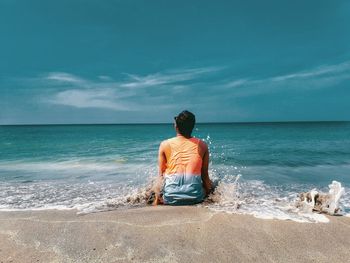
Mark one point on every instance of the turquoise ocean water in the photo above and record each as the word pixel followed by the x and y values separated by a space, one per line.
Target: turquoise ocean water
pixel 87 166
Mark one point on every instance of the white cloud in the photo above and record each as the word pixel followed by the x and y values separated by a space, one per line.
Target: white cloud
pixel 92 98
pixel 105 78
pixel 167 77
pixel 105 93
pixel 63 77
pixel 236 83
pixel 320 77
pixel 138 93
pixel 319 71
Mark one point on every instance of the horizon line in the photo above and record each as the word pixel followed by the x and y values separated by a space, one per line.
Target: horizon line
pixel 163 123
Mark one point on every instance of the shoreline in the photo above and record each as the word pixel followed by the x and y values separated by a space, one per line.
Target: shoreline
pixel 168 234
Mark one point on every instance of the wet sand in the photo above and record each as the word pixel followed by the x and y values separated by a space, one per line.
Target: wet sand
pixel 168 234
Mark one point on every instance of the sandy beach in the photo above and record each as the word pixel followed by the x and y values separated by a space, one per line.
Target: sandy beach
pixel 168 234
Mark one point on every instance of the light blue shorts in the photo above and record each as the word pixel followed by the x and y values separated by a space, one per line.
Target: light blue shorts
pixel 183 189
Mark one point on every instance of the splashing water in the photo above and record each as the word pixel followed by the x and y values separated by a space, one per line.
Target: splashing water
pixel 225 194
pixel 321 202
pixel 241 197
pixel 248 198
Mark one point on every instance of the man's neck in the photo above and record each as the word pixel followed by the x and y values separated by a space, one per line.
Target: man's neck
pixel 182 136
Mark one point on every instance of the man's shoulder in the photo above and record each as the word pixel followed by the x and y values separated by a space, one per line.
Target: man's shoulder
pixel 169 140
pixel 202 143
pixel 166 142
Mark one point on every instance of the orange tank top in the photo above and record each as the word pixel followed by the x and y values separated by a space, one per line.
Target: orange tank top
pixel 183 156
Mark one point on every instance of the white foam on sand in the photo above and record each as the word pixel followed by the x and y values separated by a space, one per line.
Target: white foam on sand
pixel 53 195
pixel 267 202
pixel 232 195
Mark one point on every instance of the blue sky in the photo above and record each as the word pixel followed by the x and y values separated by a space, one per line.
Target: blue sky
pixel 118 61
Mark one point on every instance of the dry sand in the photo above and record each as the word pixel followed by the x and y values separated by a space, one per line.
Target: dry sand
pixel 168 234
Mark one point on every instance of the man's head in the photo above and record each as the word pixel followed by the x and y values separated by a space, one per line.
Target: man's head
pixel 185 122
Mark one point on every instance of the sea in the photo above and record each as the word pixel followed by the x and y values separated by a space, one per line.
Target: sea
pixel 260 168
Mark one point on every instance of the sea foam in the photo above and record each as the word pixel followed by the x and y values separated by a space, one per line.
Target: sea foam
pixel 232 195
pixel 267 202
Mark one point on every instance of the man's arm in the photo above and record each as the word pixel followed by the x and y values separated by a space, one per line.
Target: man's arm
pixel 161 159
pixel 207 184
pixel 159 181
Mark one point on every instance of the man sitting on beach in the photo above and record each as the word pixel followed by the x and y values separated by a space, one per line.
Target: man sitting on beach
pixel 183 166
